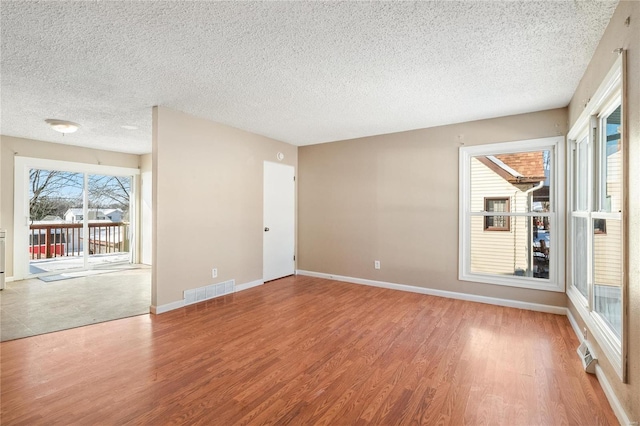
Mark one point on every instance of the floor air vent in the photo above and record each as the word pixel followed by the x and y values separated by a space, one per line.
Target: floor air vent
pixel 208 292
pixel 587 357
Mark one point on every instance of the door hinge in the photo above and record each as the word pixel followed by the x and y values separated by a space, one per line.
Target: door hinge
pixel 294 257
pixel 294 178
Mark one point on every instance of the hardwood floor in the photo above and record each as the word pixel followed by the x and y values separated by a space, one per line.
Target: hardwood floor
pixel 307 351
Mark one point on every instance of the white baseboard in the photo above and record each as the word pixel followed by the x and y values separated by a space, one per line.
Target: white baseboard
pixel 616 406
pixel 8 279
pixel 613 399
pixel 575 326
pixel 246 286
pixel 558 310
pixel 156 310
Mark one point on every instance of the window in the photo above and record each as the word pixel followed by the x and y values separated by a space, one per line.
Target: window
pixel 509 206
pixel 599 226
pixel 496 223
pixel 596 237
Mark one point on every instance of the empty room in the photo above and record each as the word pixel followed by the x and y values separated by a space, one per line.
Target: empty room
pixel 320 212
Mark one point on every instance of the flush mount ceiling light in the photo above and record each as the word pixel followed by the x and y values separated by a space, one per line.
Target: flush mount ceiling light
pixel 62 126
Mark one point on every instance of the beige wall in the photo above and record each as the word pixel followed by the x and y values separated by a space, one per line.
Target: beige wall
pixel 394 198
pixel 11 147
pixel 628 37
pixel 207 200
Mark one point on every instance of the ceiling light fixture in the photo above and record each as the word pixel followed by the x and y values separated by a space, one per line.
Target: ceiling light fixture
pixel 62 126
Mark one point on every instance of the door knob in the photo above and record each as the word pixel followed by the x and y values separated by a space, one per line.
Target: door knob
pixel 266 229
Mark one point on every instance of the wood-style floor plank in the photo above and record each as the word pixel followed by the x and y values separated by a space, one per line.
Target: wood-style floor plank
pixel 304 350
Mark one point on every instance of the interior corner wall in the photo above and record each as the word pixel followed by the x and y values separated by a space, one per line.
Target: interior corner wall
pixel 207 197
pixel 12 147
pixel 619 35
pixel 394 198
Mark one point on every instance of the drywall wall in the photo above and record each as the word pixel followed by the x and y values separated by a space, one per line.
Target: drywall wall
pixel 11 147
pixel 621 35
pixel 207 198
pixel 394 198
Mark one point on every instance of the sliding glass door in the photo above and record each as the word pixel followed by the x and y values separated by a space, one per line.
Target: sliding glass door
pixel 109 225
pixel 54 245
pixel 76 217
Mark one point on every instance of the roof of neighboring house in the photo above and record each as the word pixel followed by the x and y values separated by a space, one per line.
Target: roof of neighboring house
pixel 517 168
pixel 109 211
pixel 51 218
pixel 77 211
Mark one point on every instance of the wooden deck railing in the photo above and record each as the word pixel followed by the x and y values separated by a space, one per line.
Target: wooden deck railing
pixel 66 239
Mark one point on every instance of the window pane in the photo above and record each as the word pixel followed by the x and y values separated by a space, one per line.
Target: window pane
pixel 108 219
pixel 521 251
pixel 52 193
pixel 607 271
pixel 580 255
pixel 522 178
pixel 540 246
pixel 612 165
pixel 55 196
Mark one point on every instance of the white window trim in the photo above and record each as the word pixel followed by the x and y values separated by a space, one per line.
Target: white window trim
pixel 21 202
pixel 605 100
pixel 557 197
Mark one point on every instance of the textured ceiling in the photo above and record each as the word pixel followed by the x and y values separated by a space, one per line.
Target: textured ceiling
pixel 300 72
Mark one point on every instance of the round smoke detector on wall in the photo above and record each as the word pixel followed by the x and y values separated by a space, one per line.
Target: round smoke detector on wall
pixel 280 156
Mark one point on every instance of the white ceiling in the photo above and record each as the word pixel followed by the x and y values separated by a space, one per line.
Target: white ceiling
pixel 300 72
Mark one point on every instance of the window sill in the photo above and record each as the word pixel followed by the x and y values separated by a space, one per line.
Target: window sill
pixel 513 281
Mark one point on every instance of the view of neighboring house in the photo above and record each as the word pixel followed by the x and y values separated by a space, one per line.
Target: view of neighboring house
pixel 75 215
pixel 510 245
pixel 608 232
pixel 607 240
pixel 114 215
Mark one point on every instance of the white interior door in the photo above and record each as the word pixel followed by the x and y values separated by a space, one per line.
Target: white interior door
pixel 279 221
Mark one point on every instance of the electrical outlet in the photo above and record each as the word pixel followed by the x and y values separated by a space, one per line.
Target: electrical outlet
pixel 584 333
pixel 376 264
pixel 214 273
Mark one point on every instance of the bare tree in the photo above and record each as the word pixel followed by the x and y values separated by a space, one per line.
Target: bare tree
pixel 109 191
pixel 53 192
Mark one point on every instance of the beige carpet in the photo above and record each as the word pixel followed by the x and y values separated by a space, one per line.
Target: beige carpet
pixel 32 307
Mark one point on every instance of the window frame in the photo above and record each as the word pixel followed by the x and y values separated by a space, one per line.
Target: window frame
pixel 608 97
pixel 556 280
